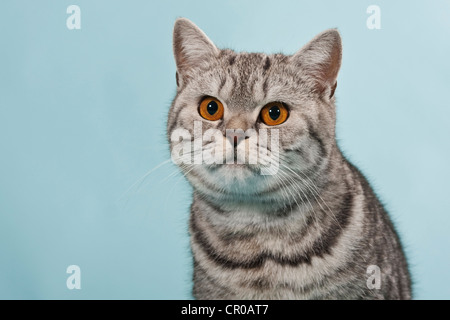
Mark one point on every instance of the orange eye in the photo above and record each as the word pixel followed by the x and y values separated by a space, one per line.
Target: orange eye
pixel 211 109
pixel 274 113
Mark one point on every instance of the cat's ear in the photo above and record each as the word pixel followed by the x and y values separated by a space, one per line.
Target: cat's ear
pixel 191 47
pixel 321 59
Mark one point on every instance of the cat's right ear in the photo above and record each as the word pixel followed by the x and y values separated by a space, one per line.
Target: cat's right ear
pixel 191 47
pixel 320 60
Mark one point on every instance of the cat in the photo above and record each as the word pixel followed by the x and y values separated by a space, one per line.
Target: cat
pixel 314 229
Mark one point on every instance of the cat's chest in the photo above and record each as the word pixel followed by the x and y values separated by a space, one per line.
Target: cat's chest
pixel 270 280
pixel 262 257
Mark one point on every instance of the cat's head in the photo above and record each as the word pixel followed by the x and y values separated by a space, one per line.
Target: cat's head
pixel 285 102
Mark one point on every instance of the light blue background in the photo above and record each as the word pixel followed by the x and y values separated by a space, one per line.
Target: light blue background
pixel 82 118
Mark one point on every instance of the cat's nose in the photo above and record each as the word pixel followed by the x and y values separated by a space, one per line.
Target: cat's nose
pixel 236 128
pixel 237 122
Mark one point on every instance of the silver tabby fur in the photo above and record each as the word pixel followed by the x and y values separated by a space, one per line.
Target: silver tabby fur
pixel 311 230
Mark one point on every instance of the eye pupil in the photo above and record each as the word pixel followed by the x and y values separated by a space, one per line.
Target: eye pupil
pixel 212 107
pixel 274 112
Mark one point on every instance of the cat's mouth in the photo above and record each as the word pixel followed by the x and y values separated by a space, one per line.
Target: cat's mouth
pixel 234 168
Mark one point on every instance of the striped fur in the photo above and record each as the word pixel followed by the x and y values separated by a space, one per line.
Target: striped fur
pixel 311 230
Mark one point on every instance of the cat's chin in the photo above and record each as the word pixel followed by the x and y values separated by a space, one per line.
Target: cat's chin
pixel 235 171
pixel 234 178
pixel 223 175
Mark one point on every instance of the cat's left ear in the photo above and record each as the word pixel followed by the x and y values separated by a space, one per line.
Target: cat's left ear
pixel 321 59
pixel 192 48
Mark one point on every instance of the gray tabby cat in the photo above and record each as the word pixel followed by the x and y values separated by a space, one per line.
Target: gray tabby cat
pixel 313 229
